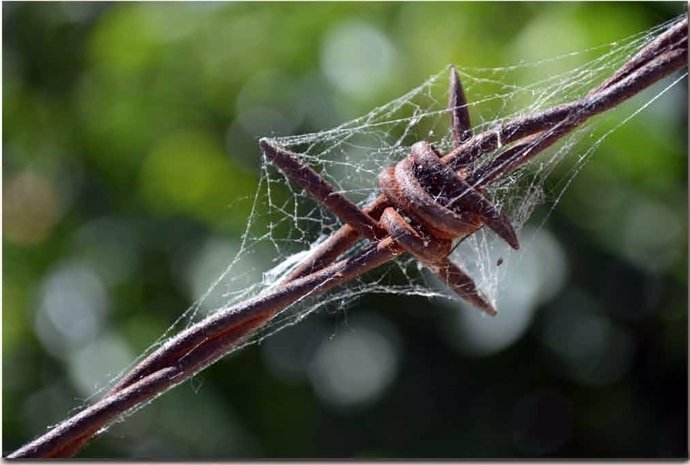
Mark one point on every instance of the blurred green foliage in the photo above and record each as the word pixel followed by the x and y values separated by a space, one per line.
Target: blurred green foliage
pixel 129 143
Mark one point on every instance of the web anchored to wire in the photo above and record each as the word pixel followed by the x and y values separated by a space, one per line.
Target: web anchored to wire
pixel 428 203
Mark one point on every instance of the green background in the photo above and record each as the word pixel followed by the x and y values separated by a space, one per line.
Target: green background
pixel 126 152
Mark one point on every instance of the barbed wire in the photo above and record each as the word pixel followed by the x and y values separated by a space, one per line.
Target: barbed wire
pixel 204 343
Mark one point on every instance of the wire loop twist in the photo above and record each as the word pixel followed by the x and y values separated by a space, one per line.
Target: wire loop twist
pixel 442 208
pixel 438 200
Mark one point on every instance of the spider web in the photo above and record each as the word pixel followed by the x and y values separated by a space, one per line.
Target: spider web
pixel 286 223
pixel 289 223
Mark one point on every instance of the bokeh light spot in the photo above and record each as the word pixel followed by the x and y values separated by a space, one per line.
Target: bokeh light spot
pixel 95 364
pixel 356 365
pixel 204 271
pixel 71 310
pixel 357 58
pixel 189 173
pixel 651 234
pixel 287 353
pixel 124 38
pixel 594 350
pixel 30 208
pixel 534 275
pixel 563 35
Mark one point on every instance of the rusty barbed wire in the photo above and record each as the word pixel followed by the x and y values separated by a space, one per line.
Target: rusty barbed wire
pixel 204 343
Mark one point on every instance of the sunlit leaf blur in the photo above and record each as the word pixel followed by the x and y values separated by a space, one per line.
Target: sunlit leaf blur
pixel 129 167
